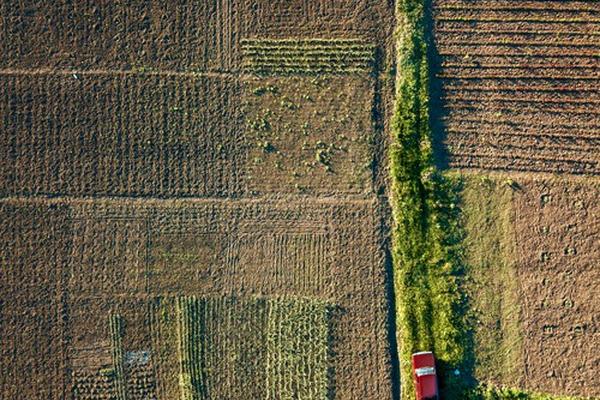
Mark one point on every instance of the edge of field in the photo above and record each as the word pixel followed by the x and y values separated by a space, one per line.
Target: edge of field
pixel 428 235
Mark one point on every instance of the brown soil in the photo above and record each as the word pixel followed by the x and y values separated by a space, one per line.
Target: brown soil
pixel 119 256
pixel 519 84
pixel 557 236
pixel 318 136
pixel 532 255
pixel 104 102
pixel 120 134
pixel 174 36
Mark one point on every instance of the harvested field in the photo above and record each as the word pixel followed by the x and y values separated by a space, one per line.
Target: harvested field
pixel 520 85
pixel 368 19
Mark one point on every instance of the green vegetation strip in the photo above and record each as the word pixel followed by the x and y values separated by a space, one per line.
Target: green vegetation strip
pixel 297 349
pixel 115 323
pixel 306 56
pixel 427 237
pixel 425 269
pixel 190 329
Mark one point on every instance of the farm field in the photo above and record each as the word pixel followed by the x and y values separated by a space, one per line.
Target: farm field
pixel 519 85
pixel 269 288
pixel 279 200
pixel 493 192
pixel 532 250
pixel 197 170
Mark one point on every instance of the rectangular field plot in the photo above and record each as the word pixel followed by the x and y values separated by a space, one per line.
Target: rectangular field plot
pixel 520 86
pixel 296 257
pixel 244 348
pixel 184 262
pixel 33 263
pixel 310 135
pixel 111 354
pixel 558 232
pixel 182 35
pixel 298 18
pixel 119 135
pixel 307 56
pixel 290 261
pixel 108 257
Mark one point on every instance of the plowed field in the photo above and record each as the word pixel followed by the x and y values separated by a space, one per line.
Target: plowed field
pixel 520 84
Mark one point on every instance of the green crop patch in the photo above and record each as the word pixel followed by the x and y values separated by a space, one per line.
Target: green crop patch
pixel 230 348
pixel 307 56
pixel 297 342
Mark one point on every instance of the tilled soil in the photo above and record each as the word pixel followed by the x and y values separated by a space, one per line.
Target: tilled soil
pixel 514 79
pixel 128 180
pixel 557 236
pixel 117 256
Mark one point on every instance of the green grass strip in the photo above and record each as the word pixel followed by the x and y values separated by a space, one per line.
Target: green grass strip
pixel 115 323
pixel 425 270
pixel 190 329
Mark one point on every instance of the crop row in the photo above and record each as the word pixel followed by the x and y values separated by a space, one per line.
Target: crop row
pixel 281 346
pixel 115 323
pixel 306 56
pixel 501 26
pixel 521 61
pixel 503 50
pixel 189 333
pixel 523 163
pixel 522 5
pixel 507 143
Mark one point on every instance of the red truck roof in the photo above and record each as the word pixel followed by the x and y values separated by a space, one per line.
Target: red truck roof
pixel 425 375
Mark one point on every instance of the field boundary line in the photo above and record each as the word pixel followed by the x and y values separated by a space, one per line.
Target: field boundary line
pixel 262 200
pixel 75 73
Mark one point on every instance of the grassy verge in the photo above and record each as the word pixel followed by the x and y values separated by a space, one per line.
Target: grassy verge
pixel 428 238
pixel 491 278
pixel 425 234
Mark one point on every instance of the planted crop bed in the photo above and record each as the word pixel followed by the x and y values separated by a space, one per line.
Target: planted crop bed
pixel 520 85
pixel 307 56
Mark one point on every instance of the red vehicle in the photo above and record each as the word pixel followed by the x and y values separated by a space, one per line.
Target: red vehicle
pixel 425 377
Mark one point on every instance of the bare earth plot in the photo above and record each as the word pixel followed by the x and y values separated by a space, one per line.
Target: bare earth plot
pixel 521 85
pixel 519 88
pixel 187 210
